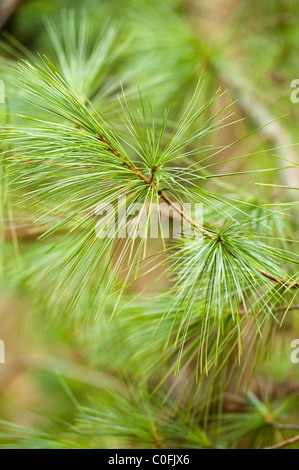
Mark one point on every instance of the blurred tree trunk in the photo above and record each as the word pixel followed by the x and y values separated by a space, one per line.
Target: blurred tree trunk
pixel 7 8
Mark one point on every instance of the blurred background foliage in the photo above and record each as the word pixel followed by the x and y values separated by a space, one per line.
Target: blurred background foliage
pixel 74 382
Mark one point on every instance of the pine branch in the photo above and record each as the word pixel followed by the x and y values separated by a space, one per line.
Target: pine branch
pixel 227 268
pixel 151 182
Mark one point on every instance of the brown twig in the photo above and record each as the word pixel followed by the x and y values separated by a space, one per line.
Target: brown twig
pixel 282 444
pixel 153 171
